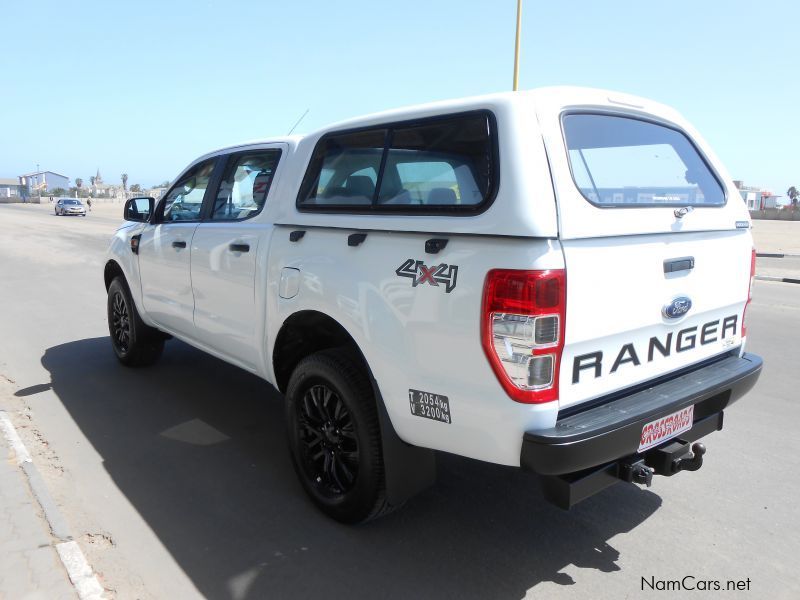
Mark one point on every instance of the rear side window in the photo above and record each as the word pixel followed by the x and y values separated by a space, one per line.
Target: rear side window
pixel 344 169
pixel 621 161
pixel 438 165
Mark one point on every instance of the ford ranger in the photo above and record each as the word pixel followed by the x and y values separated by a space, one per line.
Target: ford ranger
pixel 556 280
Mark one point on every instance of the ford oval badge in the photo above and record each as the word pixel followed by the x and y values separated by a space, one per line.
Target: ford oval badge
pixel 677 308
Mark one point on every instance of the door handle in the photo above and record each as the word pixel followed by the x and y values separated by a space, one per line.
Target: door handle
pixel 179 244
pixel 239 247
pixel 684 263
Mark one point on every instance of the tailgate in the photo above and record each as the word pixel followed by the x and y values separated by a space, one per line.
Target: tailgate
pixel 656 244
pixel 618 333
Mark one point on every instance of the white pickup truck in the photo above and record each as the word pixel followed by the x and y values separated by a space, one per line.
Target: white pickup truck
pixel 555 280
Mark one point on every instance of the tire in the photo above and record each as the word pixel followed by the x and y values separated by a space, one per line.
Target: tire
pixel 134 343
pixel 334 437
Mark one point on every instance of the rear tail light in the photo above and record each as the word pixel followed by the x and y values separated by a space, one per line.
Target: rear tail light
pixel 522 331
pixel 749 292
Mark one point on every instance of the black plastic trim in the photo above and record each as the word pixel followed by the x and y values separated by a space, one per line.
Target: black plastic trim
pixel 675 265
pixel 435 245
pixel 356 239
pixel 612 430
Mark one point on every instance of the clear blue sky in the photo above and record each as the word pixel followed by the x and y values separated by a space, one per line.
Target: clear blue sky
pixel 144 87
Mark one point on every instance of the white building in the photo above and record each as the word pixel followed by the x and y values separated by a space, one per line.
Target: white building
pixel 756 198
pixel 43 181
pixel 10 187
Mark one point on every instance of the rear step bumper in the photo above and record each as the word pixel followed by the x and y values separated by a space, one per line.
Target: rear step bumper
pixel 597 438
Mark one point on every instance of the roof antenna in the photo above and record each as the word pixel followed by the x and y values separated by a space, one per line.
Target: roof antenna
pixel 298 121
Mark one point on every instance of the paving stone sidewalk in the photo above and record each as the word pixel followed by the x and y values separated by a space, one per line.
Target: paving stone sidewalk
pixel 29 565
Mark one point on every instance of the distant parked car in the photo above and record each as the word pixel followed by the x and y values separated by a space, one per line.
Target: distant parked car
pixel 70 206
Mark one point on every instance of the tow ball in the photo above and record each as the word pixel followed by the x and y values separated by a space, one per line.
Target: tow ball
pixel 675 457
pixel 672 458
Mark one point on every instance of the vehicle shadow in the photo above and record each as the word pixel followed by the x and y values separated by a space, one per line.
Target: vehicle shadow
pixel 198 447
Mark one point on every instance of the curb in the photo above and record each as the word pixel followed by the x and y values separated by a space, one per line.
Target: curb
pixel 781 279
pixel 775 255
pixel 80 573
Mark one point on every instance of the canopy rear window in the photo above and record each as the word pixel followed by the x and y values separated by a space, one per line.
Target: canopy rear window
pixel 621 161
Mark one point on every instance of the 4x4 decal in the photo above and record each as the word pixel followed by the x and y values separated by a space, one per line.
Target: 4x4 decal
pixel 434 275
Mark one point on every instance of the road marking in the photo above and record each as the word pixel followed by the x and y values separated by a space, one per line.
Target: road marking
pixel 12 437
pixel 80 573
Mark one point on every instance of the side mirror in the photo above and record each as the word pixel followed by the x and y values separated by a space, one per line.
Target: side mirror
pixel 139 209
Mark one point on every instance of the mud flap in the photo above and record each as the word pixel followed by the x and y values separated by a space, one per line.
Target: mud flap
pixel 408 469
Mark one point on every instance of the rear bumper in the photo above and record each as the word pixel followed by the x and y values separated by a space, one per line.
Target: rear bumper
pixel 612 430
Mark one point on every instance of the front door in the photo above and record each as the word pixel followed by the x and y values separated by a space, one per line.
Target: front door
pixel 165 250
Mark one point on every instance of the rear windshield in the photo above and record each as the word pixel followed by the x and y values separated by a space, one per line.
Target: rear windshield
pixel 619 161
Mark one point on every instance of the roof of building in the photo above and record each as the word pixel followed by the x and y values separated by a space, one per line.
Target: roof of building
pixel 9 181
pixel 42 172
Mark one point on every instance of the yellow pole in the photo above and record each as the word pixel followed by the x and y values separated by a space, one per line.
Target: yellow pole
pixel 516 46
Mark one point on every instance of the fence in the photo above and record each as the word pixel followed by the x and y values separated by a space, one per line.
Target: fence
pixel 777 214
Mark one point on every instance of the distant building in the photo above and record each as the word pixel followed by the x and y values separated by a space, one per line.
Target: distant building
pixel 100 189
pixel 756 198
pixel 156 192
pixel 10 187
pixel 44 181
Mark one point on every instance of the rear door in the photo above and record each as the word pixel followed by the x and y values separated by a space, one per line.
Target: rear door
pixel 225 250
pixel 657 249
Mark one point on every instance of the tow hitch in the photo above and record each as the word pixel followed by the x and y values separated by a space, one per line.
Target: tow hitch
pixel 675 457
pixel 565 491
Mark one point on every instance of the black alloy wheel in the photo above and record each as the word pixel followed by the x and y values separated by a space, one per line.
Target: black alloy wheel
pixel 328 441
pixel 135 343
pixel 334 436
pixel 120 322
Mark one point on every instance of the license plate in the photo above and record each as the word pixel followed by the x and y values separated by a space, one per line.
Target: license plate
pixel 666 428
pixel 429 406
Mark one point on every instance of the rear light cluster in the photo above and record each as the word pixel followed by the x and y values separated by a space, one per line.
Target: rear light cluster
pixel 523 331
pixel 749 292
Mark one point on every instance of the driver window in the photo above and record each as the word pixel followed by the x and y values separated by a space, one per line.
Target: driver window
pixel 185 199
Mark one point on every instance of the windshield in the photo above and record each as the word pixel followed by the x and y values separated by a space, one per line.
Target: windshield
pixel 71 202
pixel 620 161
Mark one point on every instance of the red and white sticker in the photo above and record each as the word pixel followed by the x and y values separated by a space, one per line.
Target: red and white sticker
pixel 665 428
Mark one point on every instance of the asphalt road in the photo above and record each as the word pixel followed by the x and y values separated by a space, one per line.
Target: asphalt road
pixel 177 479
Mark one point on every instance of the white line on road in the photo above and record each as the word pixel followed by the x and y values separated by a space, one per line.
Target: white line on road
pixel 80 573
pixel 12 437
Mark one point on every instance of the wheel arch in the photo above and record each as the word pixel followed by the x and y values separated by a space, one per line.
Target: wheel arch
pixel 112 270
pixel 409 469
pixel 303 333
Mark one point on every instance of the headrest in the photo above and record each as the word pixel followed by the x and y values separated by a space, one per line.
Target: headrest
pixel 261 187
pixel 442 196
pixel 360 185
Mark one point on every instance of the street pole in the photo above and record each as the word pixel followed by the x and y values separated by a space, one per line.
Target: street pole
pixel 38 182
pixel 516 46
